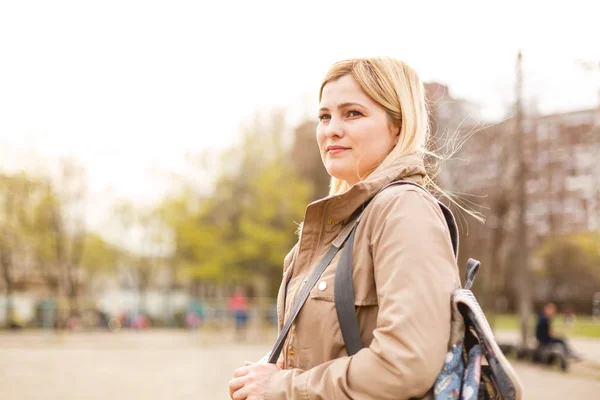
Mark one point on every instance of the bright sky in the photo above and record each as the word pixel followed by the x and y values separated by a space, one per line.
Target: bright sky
pixel 129 87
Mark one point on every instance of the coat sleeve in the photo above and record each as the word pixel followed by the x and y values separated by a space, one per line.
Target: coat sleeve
pixel 415 274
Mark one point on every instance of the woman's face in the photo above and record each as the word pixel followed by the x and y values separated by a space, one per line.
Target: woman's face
pixel 354 132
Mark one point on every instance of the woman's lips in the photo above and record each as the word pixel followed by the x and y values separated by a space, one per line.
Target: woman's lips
pixel 333 150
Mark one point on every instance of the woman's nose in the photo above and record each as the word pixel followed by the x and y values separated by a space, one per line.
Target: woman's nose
pixel 334 128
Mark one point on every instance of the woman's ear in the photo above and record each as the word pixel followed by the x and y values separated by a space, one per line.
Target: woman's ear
pixel 397 137
pixel 396 128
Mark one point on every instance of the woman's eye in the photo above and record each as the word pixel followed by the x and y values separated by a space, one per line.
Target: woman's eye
pixel 354 113
pixel 324 117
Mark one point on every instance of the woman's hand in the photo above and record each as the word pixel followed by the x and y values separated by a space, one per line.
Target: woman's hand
pixel 249 382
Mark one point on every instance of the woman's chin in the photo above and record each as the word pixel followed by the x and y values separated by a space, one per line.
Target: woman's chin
pixel 338 173
pixel 344 169
pixel 334 170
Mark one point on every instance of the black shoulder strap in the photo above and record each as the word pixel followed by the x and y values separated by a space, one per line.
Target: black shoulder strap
pixel 344 289
pixel 310 283
pixel 343 294
pixel 300 300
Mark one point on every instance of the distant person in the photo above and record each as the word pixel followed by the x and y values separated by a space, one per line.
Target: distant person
pixel 238 306
pixel 48 308
pixel 545 335
pixel 194 315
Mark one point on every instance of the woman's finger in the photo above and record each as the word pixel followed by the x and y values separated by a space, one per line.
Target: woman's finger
pixel 242 371
pixel 241 394
pixel 236 384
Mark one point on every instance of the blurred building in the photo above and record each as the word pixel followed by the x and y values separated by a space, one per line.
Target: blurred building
pixel 563 175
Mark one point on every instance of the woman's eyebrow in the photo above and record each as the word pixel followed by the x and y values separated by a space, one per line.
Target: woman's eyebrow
pixel 349 104
pixel 343 105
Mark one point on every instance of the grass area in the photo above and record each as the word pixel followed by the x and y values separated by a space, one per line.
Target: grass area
pixel 584 326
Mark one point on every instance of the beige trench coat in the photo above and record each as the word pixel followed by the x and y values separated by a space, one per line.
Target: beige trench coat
pixel 404 273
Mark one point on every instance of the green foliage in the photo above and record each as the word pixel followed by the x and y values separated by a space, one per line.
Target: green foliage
pixel 197 241
pixel 25 217
pixel 34 226
pixel 245 226
pixel 571 266
pixel 269 218
pixel 236 229
pixel 99 255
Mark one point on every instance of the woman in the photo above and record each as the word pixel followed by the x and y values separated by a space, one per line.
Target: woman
pixel 373 130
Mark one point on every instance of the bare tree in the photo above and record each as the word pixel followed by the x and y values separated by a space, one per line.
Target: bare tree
pixel 42 238
pixel 146 245
pixel 523 275
pixel 8 226
pixel 307 159
pixel 67 223
pixel 15 196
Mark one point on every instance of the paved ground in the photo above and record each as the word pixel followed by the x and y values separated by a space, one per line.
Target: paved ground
pixel 170 365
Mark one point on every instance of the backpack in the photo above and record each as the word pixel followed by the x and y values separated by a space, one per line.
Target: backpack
pixel 464 375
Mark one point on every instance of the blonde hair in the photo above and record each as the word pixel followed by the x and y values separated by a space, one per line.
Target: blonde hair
pixel 396 87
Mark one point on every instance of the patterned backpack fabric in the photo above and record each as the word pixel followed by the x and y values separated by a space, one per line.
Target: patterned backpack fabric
pixel 475 368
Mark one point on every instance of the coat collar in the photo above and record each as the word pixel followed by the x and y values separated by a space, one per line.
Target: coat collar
pixel 339 208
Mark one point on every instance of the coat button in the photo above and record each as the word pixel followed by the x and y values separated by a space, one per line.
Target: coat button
pixel 292 353
pixel 322 285
pixel 330 221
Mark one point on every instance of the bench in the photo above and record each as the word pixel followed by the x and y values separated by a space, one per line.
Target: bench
pixel 540 354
